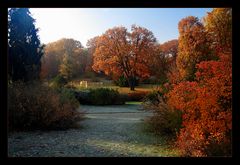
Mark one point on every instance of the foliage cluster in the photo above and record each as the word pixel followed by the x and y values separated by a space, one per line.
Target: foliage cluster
pixel 34 106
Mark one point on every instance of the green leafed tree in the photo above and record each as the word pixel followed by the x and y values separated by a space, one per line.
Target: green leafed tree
pixel 24 47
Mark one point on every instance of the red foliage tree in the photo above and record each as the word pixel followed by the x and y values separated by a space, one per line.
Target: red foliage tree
pixel 207 110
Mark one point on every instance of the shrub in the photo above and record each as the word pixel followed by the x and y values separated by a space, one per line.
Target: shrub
pixel 166 120
pixel 100 96
pixel 153 97
pixel 136 96
pixel 35 106
pixel 105 96
pixel 67 95
pixel 122 82
pixel 207 110
pixel 58 82
pixel 160 91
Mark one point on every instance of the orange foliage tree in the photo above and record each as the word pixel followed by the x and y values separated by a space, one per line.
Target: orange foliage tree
pixel 120 52
pixel 206 101
pixel 163 60
pixel 193 46
pixel 207 110
pixel 91 47
pixel 218 24
pixel 170 48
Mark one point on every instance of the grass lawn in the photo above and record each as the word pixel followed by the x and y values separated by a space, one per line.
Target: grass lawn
pixel 108 84
pixel 133 103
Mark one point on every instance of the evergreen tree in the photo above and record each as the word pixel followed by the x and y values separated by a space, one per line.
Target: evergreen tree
pixel 25 50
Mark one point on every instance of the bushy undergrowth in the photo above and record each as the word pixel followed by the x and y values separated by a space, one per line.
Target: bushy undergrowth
pixel 34 106
pixel 104 96
pixel 152 97
pixel 58 82
pixel 166 120
pixel 136 96
pixel 207 107
pixel 100 96
pixel 122 82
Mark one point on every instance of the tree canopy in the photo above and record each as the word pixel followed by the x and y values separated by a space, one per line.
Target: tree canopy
pixel 193 46
pixel 119 51
pixel 66 57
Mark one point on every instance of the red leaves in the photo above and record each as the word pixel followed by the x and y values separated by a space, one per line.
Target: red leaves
pixel 206 104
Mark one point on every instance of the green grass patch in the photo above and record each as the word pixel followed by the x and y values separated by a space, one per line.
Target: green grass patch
pixel 133 103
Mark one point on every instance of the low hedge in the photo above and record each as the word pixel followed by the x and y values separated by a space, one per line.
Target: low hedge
pixel 100 96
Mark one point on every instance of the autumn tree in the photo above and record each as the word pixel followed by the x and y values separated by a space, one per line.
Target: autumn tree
pixel 218 24
pixel 170 49
pixel 164 59
pixel 91 47
pixel 25 49
pixel 50 61
pixel 207 109
pixel 119 51
pixel 206 102
pixel 193 46
pixel 68 52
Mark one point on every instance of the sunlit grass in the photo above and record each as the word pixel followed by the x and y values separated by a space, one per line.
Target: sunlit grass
pixel 108 84
pixel 133 103
pixel 134 149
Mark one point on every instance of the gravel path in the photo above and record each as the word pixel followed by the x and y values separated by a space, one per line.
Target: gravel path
pixel 107 131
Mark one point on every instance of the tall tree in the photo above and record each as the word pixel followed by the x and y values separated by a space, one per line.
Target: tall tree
pixel 218 24
pixel 193 46
pixel 119 51
pixel 170 48
pixel 61 52
pixel 25 50
pixel 164 59
pixel 91 47
pixel 66 68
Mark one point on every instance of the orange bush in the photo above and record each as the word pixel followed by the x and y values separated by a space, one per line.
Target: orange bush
pixel 207 110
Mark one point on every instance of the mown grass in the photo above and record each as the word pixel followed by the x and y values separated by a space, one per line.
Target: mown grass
pixel 108 84
pixel 133 103
pixel 135 149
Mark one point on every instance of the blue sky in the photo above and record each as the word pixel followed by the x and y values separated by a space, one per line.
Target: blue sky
pixel 84 23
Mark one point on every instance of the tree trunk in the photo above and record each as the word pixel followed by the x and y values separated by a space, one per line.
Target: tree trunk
pixel 132 83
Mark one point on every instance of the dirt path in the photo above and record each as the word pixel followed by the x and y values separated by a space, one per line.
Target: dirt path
pixel 107 131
